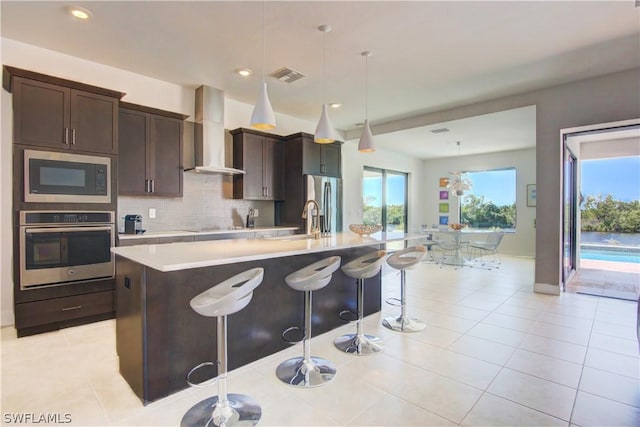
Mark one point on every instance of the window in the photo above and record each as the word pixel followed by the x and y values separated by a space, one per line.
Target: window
pixel 384 199
pixel 491 202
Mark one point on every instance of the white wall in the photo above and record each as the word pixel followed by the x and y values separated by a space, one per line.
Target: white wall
pixel 520 243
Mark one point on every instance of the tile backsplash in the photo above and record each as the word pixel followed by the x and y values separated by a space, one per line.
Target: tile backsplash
pixel 206 203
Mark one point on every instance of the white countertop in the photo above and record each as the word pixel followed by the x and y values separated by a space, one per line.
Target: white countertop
pixel 177 233
pixel 186 255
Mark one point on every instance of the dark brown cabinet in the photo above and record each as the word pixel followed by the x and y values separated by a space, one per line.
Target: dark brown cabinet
pixel 55 116
pixel 318 159
pixel 304 157
pixel 57 310
pixel 261 156
pixel 50 308
pixel 150 152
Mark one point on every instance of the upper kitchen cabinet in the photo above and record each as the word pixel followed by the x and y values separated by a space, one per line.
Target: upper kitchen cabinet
pixel 261 156
pixel 317 159
pixel 62 114
pixel 150 151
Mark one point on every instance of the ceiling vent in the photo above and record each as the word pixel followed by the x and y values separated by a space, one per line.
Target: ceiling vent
pixel 441 130
pixel 287 75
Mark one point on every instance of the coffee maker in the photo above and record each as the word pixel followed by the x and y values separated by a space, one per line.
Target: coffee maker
pixel 133 224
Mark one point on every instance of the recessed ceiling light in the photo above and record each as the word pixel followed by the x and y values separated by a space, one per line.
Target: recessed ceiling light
pixel 335 105
pixel 79 12
pixel 360 124
pixel 244 72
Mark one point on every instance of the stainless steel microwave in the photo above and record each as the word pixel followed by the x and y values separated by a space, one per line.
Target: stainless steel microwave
pixel 53 177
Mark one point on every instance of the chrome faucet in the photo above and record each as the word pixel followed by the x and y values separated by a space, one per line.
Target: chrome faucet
pixel 315 231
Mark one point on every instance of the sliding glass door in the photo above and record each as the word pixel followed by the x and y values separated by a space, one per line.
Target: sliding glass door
pixel 569 214
pixel 384 196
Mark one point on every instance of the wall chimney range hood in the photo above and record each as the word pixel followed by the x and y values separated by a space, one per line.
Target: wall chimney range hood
pixel 209 133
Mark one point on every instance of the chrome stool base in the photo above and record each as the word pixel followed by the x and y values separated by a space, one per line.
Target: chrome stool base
pixel 360 345
pixel 242 411
pixel 297 373
pixel 403 324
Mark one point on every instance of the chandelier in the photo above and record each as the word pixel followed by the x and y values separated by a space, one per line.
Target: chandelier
pixel 458 183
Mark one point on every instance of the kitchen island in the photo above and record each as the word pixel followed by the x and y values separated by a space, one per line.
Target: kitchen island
pixel 159 338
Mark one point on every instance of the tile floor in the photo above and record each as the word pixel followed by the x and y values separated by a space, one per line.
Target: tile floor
pixel 607 278
pixel 493 354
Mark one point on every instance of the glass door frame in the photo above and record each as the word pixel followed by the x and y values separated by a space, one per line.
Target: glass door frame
pixel 569 214
pixel 384 173
pixel 565 137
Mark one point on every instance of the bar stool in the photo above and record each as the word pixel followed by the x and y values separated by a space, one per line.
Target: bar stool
pixel 228 297
pixel 361 268
pixel 403 260
pixel 308 371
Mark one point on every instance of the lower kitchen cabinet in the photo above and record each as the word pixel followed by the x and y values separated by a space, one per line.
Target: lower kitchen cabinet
pixel 49 309
pixel 150 151
pixel 57 310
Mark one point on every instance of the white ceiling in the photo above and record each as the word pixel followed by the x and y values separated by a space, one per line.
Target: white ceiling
pixel 427 56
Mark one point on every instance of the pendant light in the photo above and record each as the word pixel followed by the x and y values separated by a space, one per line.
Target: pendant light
pixel 365 145
pixel 324 131
pixel 458 183
pixel 263 117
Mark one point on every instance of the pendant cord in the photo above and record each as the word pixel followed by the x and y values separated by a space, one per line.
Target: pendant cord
pixel 366 87
pixel 324 60
pixel 264 41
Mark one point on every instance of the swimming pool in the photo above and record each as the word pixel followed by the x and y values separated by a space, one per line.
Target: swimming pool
pixel 611 253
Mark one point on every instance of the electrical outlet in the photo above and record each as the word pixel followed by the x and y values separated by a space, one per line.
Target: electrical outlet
pixel 152 212
pixel 256 212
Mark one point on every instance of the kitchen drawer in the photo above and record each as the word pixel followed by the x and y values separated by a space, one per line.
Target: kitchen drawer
pixel 61 309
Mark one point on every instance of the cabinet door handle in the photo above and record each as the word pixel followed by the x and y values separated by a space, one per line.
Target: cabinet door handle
pixel 73 136
pixel 146 185
pixel 153 185
pixel 66 136
pixel 75 307
pixel 267 191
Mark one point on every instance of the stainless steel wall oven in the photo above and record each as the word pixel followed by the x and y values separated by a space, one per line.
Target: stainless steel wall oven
pixel 64 247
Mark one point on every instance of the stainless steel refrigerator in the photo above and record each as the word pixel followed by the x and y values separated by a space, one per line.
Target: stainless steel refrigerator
pixel 327 191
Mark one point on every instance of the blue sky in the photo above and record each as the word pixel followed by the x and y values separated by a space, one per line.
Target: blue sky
pixel 619 177
pixel 497 186
pixel 395 189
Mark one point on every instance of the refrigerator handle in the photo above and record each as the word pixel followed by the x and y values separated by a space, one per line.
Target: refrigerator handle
pixel 327 207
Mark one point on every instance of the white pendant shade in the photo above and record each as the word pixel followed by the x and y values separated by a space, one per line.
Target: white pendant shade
pixel 324 131
pixel 263 117
pixel 365 145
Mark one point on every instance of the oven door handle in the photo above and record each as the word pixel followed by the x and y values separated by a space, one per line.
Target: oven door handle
pixel 65 229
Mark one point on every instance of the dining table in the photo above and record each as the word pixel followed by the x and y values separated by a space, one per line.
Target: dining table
pixel 458 239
